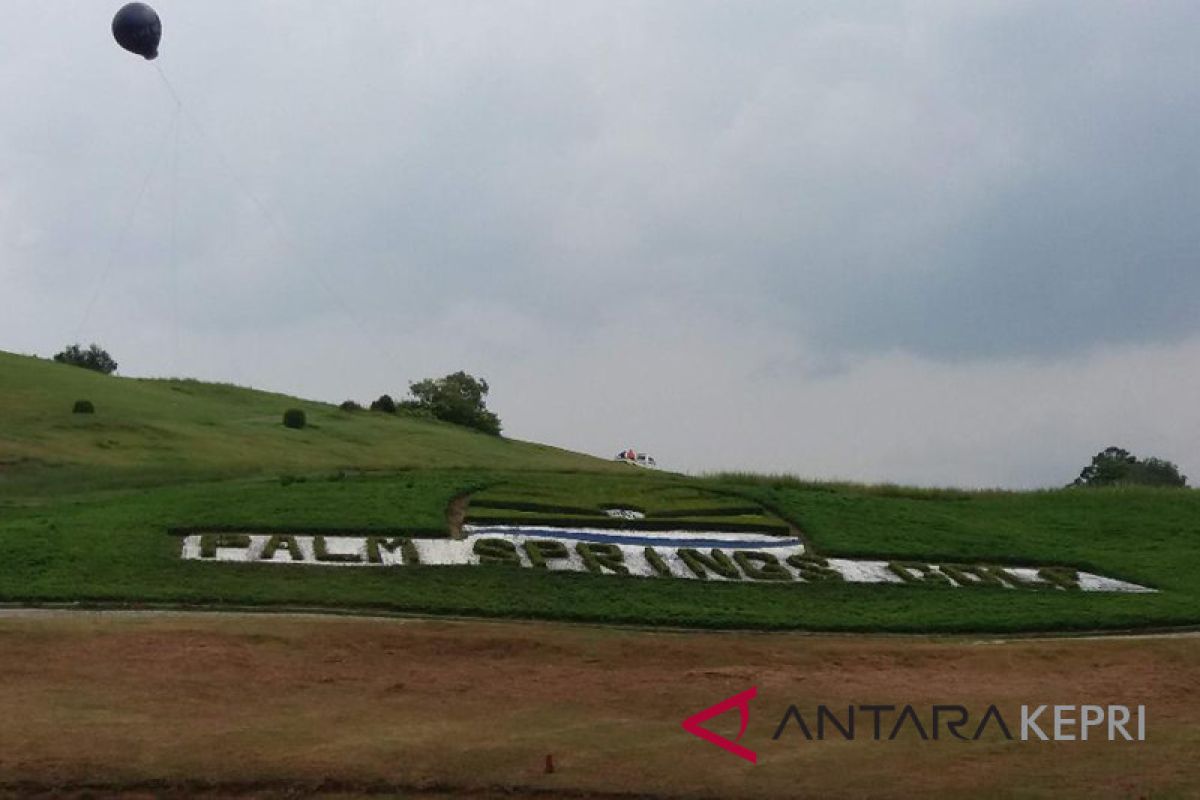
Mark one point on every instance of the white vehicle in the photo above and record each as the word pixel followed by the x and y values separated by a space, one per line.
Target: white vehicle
pixel 631 456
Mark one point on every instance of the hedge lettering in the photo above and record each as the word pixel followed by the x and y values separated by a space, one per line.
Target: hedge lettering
pixel 912 572
pixel 761 566
pixel 656 563
pixel 496 551
pixel 701 563
pixel 321 551
pixel 211 541
pixel 282 542
pixel 814 568
pixel 598 557
pixel 968 575
pixel 542 550
pixel 1060 577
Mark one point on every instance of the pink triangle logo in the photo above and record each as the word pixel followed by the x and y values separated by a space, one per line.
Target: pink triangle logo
pixel 740 701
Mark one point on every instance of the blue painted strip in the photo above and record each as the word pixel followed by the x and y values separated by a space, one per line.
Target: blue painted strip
pixel 653 541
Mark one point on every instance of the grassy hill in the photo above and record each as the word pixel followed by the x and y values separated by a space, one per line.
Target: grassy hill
pixel 88 504
pixel 177 430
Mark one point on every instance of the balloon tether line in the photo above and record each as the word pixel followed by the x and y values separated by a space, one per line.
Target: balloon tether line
pixel 167 83
pixel 174 251
pixel 265 211
pixel 174 202
pixel 110 261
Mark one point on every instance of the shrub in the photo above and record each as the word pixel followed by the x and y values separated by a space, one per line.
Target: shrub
pixel 385 404
pixel 408 549
pixel 350 405
pixel 496 551
pixel 761 566
pixel 407 409
pixel 209 542
pixel 409 554
pixel 542 550
pixel 967 575
pixel 374 543
pixel 1060 577
pixel 597 557
pixel 458 398
pixel 657 563
pixel 282 542
pixel 294 418
pixel 83 407
pixel 1115 466
pixel 716 561
pixel 321 552
pixel 814 568
pixel 94 358
pixel 912 572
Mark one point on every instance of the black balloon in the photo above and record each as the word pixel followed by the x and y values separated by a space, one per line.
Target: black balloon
pixel 137 28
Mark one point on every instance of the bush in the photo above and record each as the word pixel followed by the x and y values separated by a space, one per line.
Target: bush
pixel 716 561
pixel 385 403
pixel 1115 466
pixel 209 542
pixel 496 551
pixel 294 418
pixel 413 410
pixel 350 405
pixel 83 407
pixel 657 563
pixel 542 550
pixel 598 556
pixel 1060 577
pixel 94 358
pixel 912 572
pixel 814 568
pixel 458 398
pixel 285 543
pixel 967 575
pixel 761 566
pixel 321 552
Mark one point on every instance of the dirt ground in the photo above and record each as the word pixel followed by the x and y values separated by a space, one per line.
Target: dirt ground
pixel 219 705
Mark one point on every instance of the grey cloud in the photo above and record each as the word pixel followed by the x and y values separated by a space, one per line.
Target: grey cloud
pixel 797 188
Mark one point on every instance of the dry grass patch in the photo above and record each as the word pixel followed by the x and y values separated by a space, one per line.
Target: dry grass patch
pixel 293 703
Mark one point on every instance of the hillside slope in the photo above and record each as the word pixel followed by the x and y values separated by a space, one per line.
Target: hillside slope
pixel 168 430
pixel 93 508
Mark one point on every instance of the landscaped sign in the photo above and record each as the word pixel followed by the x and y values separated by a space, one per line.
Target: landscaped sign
pixel 690 555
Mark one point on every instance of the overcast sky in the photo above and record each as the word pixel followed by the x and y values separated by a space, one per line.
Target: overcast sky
pixel 952 243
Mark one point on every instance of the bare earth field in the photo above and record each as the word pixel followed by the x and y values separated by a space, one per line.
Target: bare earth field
pixel 173 704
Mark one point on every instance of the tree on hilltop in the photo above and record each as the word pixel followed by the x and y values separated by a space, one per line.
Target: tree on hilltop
pixel 458 398
pixel 1115 466
pixel 385 403
pixel 94 358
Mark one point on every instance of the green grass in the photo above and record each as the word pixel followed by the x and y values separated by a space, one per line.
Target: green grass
pixel 668 502
pixel 1142 534
pixel 86 506
pixel 155 431
pixel 113 546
